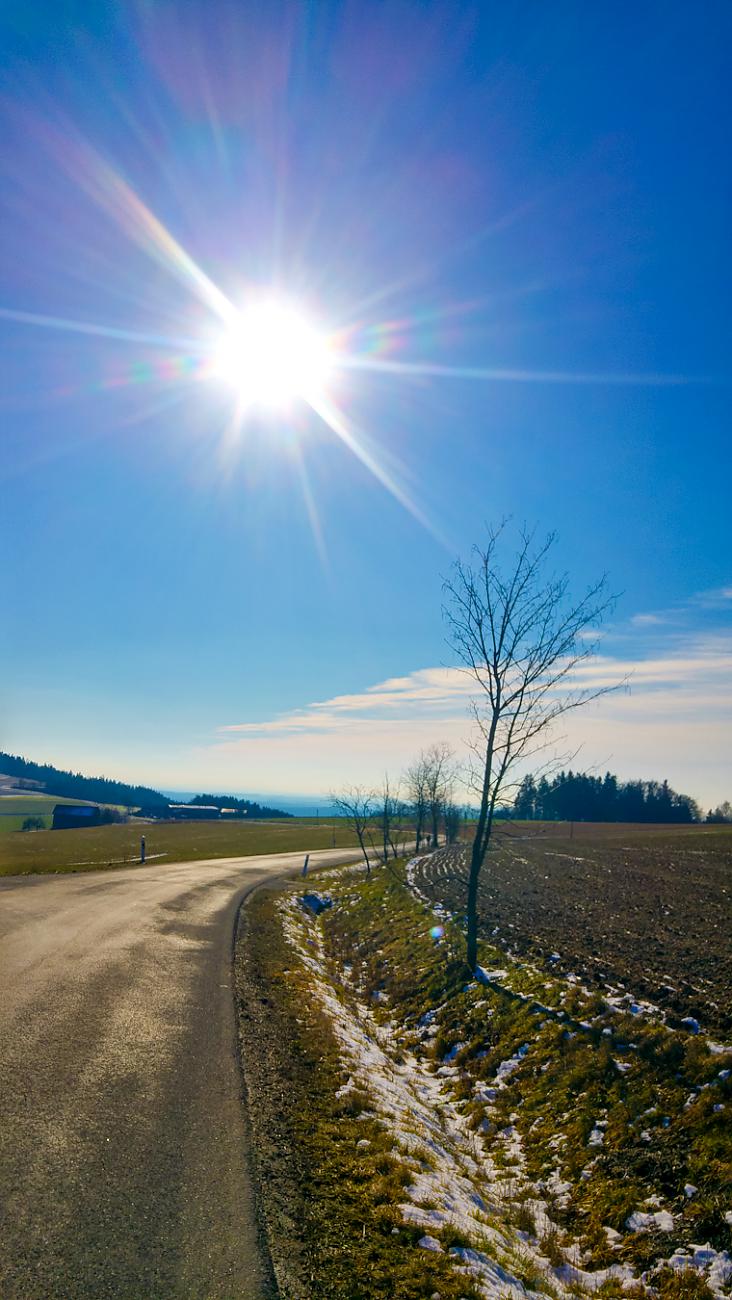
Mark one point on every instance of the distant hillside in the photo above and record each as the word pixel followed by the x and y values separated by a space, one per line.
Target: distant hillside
pixel 46 779
pixel 247 806
pixel 72 785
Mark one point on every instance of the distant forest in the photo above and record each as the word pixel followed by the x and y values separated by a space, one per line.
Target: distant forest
pixel 99 789
pixel 574 796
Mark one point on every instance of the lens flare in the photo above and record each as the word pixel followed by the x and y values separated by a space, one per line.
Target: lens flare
pixel 437 931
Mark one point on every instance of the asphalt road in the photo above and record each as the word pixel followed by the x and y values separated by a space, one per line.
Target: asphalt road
pixel 123 1135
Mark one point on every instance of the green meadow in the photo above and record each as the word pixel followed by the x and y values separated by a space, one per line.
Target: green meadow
pixel 99 847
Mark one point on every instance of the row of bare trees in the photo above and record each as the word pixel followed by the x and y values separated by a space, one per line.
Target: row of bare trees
pixel 524 642
pixel 415 810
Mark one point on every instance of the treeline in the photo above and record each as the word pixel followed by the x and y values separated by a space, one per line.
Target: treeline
pixel 72 785
pixel 721 815
pixel 575 796
pixel 246 807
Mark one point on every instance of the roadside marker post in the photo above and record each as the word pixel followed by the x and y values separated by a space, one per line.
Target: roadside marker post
pixel 142 848
pixel 305 864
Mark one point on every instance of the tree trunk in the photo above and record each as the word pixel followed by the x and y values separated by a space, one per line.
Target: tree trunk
pixel 365 854
pixel 476 861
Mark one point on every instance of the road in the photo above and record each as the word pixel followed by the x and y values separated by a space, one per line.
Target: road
pixel 123 1135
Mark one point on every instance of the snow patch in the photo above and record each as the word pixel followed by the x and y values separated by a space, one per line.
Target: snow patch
pixel 661 1221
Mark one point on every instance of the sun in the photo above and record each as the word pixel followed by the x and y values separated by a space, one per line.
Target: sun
pixel 273 356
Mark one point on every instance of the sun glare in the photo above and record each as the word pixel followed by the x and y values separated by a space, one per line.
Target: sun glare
pixel 273 356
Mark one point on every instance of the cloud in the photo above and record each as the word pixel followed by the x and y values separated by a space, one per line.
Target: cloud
pixel 649 620
pixel 707 660
pixel 442 693
pixel 427 691
pixel 687 612
pixel 719 598
pixel 673 719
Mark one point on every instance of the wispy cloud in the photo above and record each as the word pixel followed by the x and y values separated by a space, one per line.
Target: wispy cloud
pixel 426 692
pixel 703 661
pixel 445 692
pixel 650 620
pixel 717 600
pixel 673 719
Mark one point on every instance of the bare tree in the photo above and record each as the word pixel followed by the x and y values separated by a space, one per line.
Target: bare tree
pixel 522 639
pixel 439 778
pixel 452 817
pixel 388 816
pixel 415 783
pixel 356 804
pixel 401 828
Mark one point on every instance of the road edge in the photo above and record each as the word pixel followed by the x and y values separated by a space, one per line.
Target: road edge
pixel 260 1219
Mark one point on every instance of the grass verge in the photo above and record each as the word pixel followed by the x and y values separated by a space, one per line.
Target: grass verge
pixel 330 1184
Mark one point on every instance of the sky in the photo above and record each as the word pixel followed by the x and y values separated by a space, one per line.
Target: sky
pixel 509 222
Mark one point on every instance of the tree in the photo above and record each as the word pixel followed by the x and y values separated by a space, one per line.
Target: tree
pixel 400 829
pixel 722 814
pixel 525 802
pixel 519 635
pixel 452 816
pixel 439 776
pixel 356 804
pixel 389 817
pixel 33 824
pixel 111 816
pixel 415 784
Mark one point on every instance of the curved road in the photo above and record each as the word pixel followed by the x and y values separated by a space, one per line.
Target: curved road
pixel 123 1138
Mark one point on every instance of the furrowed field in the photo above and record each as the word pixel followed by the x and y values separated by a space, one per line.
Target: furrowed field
pixel 119 845
pixel 641 907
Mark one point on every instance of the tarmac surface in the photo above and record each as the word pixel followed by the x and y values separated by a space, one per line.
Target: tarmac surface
pixel 124 1146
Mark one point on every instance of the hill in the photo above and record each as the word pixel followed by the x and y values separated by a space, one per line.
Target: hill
pixel 44 778
pixel 72 785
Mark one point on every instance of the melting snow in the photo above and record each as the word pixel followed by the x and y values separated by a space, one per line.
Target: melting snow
pixel 454 1182
pixel 662 1221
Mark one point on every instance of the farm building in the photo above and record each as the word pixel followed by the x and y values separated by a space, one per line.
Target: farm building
pixel 192 812
pixel 73 816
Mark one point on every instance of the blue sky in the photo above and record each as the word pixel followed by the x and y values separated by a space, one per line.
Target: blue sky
pixel 537 192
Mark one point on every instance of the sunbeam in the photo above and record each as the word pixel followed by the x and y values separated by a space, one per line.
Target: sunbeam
pixel 507 375
pixel 98 330
pixel 116 197
pixel 345 430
